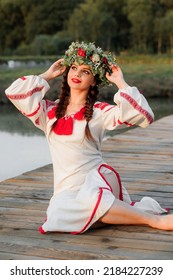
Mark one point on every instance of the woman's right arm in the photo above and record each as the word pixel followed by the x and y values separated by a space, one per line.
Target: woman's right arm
pixel 26 93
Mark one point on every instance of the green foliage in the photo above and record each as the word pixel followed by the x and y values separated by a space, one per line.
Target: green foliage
pixel 22 21
pixel 44 45
pixel 140 15
pixel 101 24
pixel 47 26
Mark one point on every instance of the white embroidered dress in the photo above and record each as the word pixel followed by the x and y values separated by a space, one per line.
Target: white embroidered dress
pixel 82 194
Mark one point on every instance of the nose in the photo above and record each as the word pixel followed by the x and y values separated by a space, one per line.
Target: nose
pixel 78 73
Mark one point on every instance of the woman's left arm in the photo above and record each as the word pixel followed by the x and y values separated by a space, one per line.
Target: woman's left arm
pixel 131 106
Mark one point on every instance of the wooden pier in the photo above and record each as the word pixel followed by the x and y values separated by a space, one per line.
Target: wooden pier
pixel 144 159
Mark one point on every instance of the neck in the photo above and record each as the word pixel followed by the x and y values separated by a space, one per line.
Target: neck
pixel 77 104
pixel 77 98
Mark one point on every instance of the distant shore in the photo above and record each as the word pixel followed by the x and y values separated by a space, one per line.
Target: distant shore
pixel 151 74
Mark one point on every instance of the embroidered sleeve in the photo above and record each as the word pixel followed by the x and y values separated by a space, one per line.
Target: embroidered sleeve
pixel 131 109
pixel 26 93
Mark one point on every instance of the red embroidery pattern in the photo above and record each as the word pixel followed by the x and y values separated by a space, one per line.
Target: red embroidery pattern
pixel 137 106
pixel 24 95
pixel 23 78
pixel 101 105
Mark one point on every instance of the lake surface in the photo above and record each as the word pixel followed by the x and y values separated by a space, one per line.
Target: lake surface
pixel 23 147
pixel 21 153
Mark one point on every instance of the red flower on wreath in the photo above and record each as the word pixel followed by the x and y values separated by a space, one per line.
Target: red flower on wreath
pixel 104 59
pixel 81 52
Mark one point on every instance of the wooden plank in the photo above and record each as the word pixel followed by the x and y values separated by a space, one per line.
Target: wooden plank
pixel 15 256
pixel 145 165
pixel 79 250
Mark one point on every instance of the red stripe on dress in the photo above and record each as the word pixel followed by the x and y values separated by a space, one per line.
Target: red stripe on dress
pixel 126 123
pixel 118 178
pixel 110 109
pixel 133 203
pixel 93 213
pixel 41 230
pixel 32 114
pixel 25 95
pixel 137 106
pixel 101 193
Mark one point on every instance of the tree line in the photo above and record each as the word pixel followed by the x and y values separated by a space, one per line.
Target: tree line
pixel 46 27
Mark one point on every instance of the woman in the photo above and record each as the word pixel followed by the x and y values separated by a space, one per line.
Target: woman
pixel 87 191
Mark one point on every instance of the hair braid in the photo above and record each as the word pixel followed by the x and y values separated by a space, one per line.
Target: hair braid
pixel 63 98
pixel 91 99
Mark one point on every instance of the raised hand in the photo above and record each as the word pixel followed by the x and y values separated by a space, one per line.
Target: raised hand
pixel 117 77
pixel 55 70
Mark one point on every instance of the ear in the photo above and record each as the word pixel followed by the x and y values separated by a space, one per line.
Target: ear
pixel 94 83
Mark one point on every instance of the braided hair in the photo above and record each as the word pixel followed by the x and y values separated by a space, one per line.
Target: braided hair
pixel 91 99
pixel 64 101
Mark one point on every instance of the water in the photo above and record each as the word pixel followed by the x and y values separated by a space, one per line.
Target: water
pixel 21 153
pixel 23 147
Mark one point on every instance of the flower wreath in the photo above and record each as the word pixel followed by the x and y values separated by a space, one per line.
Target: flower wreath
pixel 88 53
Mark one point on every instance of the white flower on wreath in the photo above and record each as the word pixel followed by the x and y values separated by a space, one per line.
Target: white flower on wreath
pixel 95 58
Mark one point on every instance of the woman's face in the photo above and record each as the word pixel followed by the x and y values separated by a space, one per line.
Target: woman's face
pixel 80 77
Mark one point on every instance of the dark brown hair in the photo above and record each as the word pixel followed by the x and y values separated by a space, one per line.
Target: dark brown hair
pixel 64 101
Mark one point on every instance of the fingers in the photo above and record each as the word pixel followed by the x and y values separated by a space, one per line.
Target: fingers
pixel 57 67
pixel 115 67
pixel 59 63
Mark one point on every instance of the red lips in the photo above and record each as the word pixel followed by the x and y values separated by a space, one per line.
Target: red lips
pixel 75 80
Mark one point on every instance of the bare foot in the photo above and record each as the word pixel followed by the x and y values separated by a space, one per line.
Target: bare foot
pixel 164 222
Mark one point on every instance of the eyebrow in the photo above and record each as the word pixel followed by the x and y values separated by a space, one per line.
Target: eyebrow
pixel 88 69
pixel 82 68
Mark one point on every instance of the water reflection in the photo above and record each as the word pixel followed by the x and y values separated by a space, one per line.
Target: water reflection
pixel 11 120
pixel 23 147
pixel 21 153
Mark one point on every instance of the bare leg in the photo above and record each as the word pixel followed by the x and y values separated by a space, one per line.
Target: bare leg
pixel 122 213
